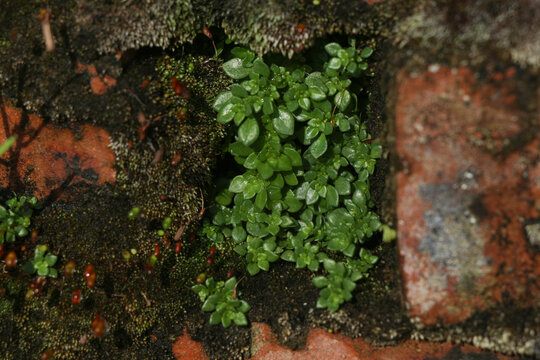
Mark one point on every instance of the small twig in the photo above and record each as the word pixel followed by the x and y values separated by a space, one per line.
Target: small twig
pixel 233 297
pixel 148 302
pixel 158 155
pixel 180 232
pixel 45 17
pixel 203 209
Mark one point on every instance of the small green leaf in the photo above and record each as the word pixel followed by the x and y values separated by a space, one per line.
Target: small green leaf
pixel 288 255
pixel 21 231
pixel 312 196
pixel 50 259
pixel 248 131
pixel 332 48
pixel 265 170
pixel 238 184
pixel 221 100
pixel 334 63
pixel 320 281
pixel 239 234
pixel 224 197
pixel 284 163
pixel 43 269
pixel 292 202
pixel 318 147
pixel 268 106
pixel 240 319
pixel 284 123
pixel 261 68
pixel 291 179
pixel 251 161
pixel 263 265
pixel 226 113
pixel 215 318
pixel 296 159
pixel 304 103
pixel 342 100
pixel 261 198
pixel 235 69
pixel 239 149
pixel 332 196
pixel 343 186
pixel 292 105
pixel 238 91
pixel 366 52
pixel 53 273
pixel 252 188
pixel 317 94
pixel 226 320
pixel 253 269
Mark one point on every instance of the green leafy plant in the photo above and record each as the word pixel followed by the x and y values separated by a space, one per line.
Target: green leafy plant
pixel 42 263
pixel 16 217
pixel 304 193
pixel 221 298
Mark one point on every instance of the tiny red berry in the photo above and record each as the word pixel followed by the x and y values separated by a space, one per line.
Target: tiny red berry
pixel 91 280
pixel 200 278
pixel 69 268
pixel 11 259
pixel 207 33
pixel 177 247
pixel 99 325
pixel 47 354
pixel 76 297
pixel 176 158
pixel 149 269
pixel 88 271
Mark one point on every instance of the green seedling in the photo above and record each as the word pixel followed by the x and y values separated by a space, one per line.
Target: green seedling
pixel 15 217
pixel 42 263
pixel 221 298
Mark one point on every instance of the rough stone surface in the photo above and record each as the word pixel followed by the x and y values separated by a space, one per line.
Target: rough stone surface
pixel 468 185
pixel 50 158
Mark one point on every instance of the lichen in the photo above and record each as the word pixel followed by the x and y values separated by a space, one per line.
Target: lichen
pixel 462 32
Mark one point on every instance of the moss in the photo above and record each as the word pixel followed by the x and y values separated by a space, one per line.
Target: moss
pixel 142 311
pixel 471 33
pixel 191 141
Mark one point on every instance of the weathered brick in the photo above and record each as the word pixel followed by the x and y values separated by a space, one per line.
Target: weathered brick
pixel 469 183
pixel 50 157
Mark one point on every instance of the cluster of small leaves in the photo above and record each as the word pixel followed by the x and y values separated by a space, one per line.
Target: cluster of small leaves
pixel 304 195
pixel 16 217
pixel 42 263
pixel 221 298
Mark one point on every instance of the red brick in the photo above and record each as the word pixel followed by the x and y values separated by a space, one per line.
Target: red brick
pixel 49 156
pixel 464 193
pixel 321 345
pixel 186 349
